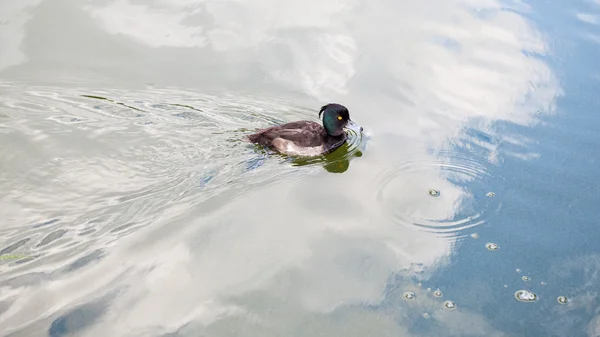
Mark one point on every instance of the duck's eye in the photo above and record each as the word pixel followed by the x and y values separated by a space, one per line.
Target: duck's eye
pixel 339 118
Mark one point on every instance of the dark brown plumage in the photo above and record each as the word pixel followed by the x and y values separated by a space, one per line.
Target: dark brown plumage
pixel 307 138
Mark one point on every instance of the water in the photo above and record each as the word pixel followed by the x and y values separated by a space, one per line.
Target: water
pixel 131 207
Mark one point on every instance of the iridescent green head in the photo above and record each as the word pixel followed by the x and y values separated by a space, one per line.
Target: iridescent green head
pixel 335 118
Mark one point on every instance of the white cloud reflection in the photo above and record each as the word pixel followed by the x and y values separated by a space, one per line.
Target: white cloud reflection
pixel 156 27
pixel 587 18
pixel 13 17
pixel 457 62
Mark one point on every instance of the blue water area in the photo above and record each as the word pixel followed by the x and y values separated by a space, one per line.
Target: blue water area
pixel 548 228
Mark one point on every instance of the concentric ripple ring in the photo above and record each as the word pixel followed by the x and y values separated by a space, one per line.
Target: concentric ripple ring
pixel 460 182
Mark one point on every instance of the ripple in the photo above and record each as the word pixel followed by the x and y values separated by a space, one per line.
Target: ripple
pixel 14 246
pixel 52 237
pixel 132 156
pixel 456 203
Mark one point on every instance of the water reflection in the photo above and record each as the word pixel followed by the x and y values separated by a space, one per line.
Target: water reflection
pixel 157 199
pixel 458 182
pixel 337 161
pixel 14 16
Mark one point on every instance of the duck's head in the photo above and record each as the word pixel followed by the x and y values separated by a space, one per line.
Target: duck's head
pixel 335 118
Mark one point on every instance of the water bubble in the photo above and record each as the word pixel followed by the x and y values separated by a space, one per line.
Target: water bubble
pixel 525 278
pixel 437 293
pixel 490 194
pixel 562 299
pixel 491 246
pixel 543 283
pixel 409 295
pixel 518 270
pixel 475 236
pixel 426 315
pixel 506 286
pixel 434 193
pixel 450 305
pixel 525 296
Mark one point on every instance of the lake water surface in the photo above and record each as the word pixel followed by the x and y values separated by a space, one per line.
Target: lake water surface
pixel 130 206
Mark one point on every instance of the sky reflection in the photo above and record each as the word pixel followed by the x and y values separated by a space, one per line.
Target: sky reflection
pixel 417 80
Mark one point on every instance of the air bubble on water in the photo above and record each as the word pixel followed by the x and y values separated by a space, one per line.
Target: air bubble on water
pixel 525 296
pixel 409 295
pixel 525 278
pixel 450 305
pixel 518 270
pixel 434 193
pixel 428 289
pixel 491 246
pixel 426 315
pixel 490 194
pixel 506 286
pixel 562 299
pixel 437 293
pixel 475 236
pixel 543 283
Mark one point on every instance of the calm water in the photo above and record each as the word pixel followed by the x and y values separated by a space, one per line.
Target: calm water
pixel 468 207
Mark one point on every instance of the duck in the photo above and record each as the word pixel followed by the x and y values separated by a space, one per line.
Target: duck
pixel 307 138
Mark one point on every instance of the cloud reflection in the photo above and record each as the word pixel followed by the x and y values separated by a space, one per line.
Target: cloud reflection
pixel 13 17
pixel 452 64
pixel 161 26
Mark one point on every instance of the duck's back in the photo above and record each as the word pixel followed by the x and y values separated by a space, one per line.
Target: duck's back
pixel 298 138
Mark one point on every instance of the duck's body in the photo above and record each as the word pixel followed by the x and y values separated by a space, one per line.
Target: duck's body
pixel 303 138
pixel 307 138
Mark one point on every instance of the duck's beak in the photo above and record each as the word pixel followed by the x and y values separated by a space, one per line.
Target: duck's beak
pixel 353 126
